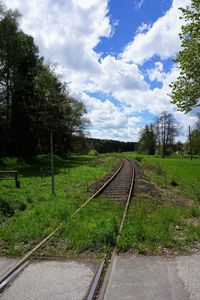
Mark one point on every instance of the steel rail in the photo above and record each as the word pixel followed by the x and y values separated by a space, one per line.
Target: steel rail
pixel 114 253
pixel 4 277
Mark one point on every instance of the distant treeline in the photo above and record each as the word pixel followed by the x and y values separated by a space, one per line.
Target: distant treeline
pixel 83 145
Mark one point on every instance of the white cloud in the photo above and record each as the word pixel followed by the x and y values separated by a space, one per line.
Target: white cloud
pixel 118 75
pixel 161 39
pixel 143 28
pixel 67 31
pixel 109 121
pixel 138 4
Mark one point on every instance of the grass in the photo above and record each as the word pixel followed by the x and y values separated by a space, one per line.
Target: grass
pixel 93 230
pixel 165 218
pixel 42 212
pixel 182 172
pixel 151 228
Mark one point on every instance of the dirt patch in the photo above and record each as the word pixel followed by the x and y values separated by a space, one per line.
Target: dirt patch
pixel 195 221
pixel 163 194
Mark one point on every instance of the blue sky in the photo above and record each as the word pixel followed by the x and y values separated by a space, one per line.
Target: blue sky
pixel 129 15
pixel 116 56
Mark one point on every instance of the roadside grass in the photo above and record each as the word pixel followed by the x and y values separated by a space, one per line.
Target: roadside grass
pixel 180 173
pixel 93 230
pixel 164 216
pixel 42 211
pixel 153 228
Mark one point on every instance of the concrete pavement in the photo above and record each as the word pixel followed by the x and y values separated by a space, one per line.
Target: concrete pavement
pixel 51 280
pixel 154 278
pixel 6 263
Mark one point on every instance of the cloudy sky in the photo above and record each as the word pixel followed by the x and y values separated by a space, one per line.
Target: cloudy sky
pixel 116 56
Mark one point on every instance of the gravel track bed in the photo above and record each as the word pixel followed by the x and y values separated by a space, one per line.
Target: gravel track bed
pixel 119 188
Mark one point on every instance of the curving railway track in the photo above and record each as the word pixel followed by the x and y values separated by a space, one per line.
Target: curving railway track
pixel 118 187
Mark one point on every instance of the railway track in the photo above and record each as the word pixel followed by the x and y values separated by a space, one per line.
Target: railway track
pixel 119 187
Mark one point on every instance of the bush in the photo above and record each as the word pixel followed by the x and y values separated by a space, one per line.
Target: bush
pixel 6 208
pixel 93 153
pixel 139 158
pixel 9 207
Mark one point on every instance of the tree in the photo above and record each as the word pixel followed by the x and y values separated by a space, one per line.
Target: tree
pixel 33 99
pixel 8 63
pixel 195 139
pixel 8 56
pixel 19 65
pixel 56 111
pixel 186 89
pixel 147 140
pixel 23 95
pixel 166 129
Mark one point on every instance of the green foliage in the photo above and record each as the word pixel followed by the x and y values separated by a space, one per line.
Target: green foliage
pixel 152 228
pixel 159 136
pixel 8 205
pixel 147 140
pixel 33 100
pixel 139 158
pixel 109 146
pixel 162 171
pixel 186 90
pixel 93 153
pixel 94 228
pixel 23 226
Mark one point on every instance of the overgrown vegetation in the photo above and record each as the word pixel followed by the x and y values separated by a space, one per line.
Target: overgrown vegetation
pixel 155 228
pixel 22 228
pixel 93 230
pixel 164 215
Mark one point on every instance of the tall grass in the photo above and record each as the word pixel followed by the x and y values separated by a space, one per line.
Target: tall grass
pixel 44 211
pixel 150 228
pixel 164 171
pixel 156 225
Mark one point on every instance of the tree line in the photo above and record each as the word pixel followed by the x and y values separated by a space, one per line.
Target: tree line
pixel 109 146
pixel 159 137
pixel 33 99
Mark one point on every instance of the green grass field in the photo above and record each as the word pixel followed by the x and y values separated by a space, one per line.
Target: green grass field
pixel 166 218
pixel 31 212
pixel 162 219
pixel 184 172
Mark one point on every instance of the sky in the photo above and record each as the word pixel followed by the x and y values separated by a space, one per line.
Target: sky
pixel 115 55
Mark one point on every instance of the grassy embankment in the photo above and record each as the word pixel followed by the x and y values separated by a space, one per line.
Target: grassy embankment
pixel 164 215
pixel 31 212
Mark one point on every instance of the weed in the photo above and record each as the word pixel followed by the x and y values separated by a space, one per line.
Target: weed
pixel 150 228
pixel 139 158
pixel 196 188
pixel 93 229
pixel 6 208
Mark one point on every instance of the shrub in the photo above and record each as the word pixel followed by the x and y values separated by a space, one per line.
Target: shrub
pixel 93 153
pixel 6 208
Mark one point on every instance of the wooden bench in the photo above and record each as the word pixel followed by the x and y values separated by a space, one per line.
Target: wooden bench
pixel 14 176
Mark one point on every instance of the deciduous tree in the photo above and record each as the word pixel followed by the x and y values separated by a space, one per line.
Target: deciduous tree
pixel 186 89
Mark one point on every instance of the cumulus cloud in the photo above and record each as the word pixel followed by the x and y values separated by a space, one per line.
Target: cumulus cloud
pixel 67 32
pixel 161 39
pixel 110 121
